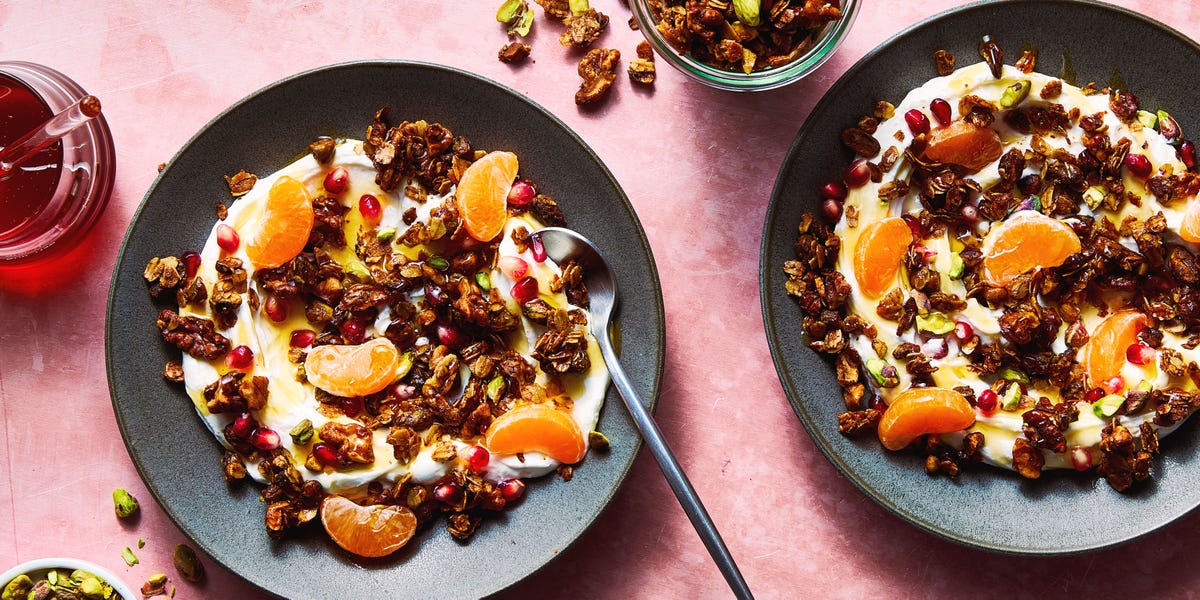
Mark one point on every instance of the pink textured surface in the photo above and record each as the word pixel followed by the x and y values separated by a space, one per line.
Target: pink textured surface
pixel 698 165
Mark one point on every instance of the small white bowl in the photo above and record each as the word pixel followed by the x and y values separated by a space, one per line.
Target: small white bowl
pixel 70 564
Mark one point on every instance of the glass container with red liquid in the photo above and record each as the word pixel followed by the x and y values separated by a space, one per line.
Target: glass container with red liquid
pixel 49 201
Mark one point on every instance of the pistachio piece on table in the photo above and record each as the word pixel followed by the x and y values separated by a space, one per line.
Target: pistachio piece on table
pixel 124 503
pixel 188 564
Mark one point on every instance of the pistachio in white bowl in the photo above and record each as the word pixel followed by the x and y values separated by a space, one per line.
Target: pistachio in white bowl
pixel 88 581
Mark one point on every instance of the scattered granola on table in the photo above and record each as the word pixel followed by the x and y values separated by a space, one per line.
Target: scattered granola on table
pixel 641 69
pixel 1007 273
pixel 743 35
pixel 598 68
pixel 384 340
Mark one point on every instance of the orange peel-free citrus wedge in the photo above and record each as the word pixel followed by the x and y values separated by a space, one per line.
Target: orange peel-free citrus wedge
pixel 878 253
pixel 287 223
pixel 1103 356
pixel 482 194
pixel 961 143
pixel 353 370
pixel 370 531
pixel 1027 240
pixel 537 428
pixel 1189 228
pixel 918 411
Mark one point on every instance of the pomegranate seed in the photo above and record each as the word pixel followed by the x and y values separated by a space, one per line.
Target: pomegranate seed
pixel 191 263
pixel 1187 154
pixel 963 331
pixel 434 294
pixel 935 348
pixel 1114 384
pixel 525 290
pixel 476 457
pixel 914 226
pixel 1139 354
pixel 369 208
pixel 1093 395
pixel 1159 282
pixel 240 358
pixel 303 338
pixel 326 455
pixel 987 401
pixel 941 111
pixel 243 426
pixel 514 267
pixel 511 489
pixel 1138 165
pixel 265 438
pixel 1081 459
pixel 537 248
pixel 971 213
pixel 275 308
pixel 831 209
pixel 857 173
pixel 449 492
pixel 227 238
pixel 451 336
pixel 521 193
pixel 352 406
pixel 353 332
pixel 403 391
pixel 835 190
pixel 337 181
pixel 918 123
pixel 1030 184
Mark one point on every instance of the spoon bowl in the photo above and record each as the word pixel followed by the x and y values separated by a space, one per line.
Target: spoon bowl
pixel 563 245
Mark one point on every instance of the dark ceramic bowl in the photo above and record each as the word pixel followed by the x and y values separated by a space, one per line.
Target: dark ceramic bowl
pixel 178 458
pixel 988 508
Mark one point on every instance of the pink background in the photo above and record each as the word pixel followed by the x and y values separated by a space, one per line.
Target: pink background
pixel 697 163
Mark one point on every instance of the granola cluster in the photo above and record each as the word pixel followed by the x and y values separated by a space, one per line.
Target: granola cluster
pixel 1130 263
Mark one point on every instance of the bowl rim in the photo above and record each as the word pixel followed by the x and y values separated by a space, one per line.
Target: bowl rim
pixel 824 48
pixel 57 562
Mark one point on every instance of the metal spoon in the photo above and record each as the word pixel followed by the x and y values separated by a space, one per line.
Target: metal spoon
pixel 564 244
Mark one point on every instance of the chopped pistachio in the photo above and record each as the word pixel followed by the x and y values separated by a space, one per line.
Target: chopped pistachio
pixel 141 543
pixel 494 387
pixel 438 263
pixel 358 270
pixel 78 575
pixel 875 368
pixel 578 7
pixel 1145 386
pixel 18 588
pixel 747 11
pixel 1147 119
pixel 188 564
pixel 1094 196
pixel 130 558
pixel 158 579
pixel 302 433
pixel 1015 94
pixel 124 503
pixel 52 577
pixel 406 363
pixel 1108 405
pixel 956 266
pixel 523 24
pixel 1012 397
pixel 509 11
pixel 936 323
pixel 385 234
pixel 1013 375
pixel 92 588
pixel 748 60
pixel 484 280
pixel 1169 128
pixel 598 441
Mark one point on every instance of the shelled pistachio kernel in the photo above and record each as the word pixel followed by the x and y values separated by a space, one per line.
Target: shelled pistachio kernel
pixel 124 503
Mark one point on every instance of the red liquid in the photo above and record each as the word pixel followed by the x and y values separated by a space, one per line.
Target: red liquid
pixel 25 191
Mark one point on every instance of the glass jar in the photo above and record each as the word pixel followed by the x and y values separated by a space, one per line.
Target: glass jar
pixel 48 225
pixel 823 46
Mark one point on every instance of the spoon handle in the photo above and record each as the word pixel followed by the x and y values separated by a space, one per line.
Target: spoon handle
pixel 675 477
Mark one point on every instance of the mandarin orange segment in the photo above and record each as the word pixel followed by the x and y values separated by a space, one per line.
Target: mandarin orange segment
pixel 537 428
pixel 482 194
pixel 353 370
pixel 964 144
pixel 1189 228
pixel 919 411
pixel 1103 356
pixel 1025 241
pixel 878 253
pixel 287 222
pixel 370 531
